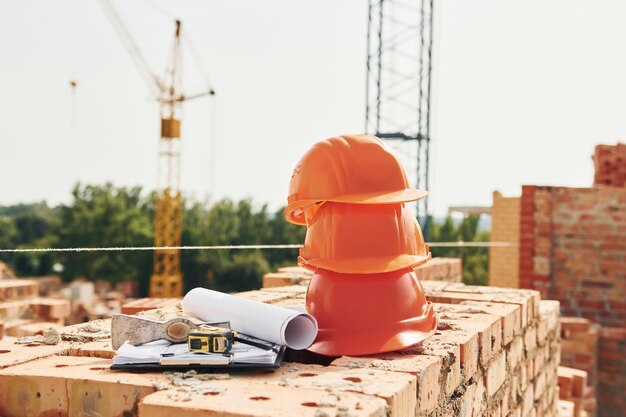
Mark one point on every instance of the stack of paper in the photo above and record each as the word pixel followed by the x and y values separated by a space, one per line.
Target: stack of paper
pixel 163 352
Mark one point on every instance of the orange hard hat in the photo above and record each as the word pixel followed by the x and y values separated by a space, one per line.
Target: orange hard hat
pixel 368 314
pixel 363 239
pixel 357 169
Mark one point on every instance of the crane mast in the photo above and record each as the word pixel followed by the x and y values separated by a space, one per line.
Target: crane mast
pixel 167 278
pixel 398 89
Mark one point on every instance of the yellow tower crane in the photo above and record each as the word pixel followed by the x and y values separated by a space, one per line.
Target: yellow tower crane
pixel 167 278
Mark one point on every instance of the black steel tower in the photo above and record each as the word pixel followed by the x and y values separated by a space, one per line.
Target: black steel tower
pixel 399 56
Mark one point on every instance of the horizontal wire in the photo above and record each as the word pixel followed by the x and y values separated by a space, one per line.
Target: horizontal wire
pixel 236 247
pixel 462 244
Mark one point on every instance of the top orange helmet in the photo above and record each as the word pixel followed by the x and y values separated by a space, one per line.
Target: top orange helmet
pixel 358 169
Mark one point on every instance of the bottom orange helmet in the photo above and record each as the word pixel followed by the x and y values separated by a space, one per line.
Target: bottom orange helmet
pixel 368 314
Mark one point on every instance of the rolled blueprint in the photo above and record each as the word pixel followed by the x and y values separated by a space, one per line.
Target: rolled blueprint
pixel 283 326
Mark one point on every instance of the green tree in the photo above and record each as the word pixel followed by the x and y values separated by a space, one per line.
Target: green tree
pixel 283 232
pixel 475 260
pixel 200 266
pixel 243 273
pixel 106 216
pixel 234 223
pixel 8 232
pixel 25 226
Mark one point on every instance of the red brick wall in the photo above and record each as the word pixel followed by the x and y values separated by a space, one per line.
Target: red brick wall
pixel 610 164
pixel 573 249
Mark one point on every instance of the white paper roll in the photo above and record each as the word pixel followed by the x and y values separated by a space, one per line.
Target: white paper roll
pixel 284 326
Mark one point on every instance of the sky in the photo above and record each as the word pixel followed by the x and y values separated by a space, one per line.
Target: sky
pixel 522 92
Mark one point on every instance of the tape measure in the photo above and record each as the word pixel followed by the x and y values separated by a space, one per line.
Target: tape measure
pixel 211 339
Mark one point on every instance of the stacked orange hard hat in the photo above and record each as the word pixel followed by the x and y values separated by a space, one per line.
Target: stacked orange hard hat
pixel 362 242
pixel 358 169
pixel 362 239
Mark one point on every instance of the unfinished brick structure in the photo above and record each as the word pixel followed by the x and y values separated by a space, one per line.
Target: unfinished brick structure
pixel 495 353
pixel 572 248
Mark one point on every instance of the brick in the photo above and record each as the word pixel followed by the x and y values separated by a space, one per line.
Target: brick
pixel 50 308
pixel 505 227
pixel 33 329
pixel 295 290
pixel 530 339
pixel 269 297
pixel 96 349
pixel 396 388
pixel 539 385
pixel 233 398
pixel 510 315
pixel 275 279
pixel 143 304
pixel 13 354
pixel 13 309
pixel 15 289
pixel 291 303
pixel 71 386
pixel 573 381
pixel 495 375
pixel 471 402
pixel 528 401
pixel 295 269
pixel 523 377
pixel 549 314
pixel 448 343
pixel 441 269
pixel 479 401
pixel 566 409
pixel 540 358
pixel 489 327
pixel 515 352
pixel 430 371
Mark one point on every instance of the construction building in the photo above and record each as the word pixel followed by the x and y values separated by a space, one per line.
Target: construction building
pixel 572 248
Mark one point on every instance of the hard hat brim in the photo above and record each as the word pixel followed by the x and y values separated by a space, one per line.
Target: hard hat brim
pixel 331 342
pixel 365 265
pixel 403 196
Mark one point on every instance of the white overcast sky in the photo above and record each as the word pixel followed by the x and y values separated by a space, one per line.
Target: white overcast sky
pixel 523 90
